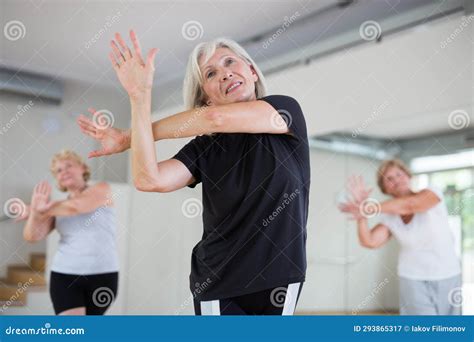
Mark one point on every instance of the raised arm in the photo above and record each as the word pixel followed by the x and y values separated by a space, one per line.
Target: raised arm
pixel 94 197
pixel 416 203
pixel 372 238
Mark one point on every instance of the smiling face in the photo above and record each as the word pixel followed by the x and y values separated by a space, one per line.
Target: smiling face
pixel 69 174
pixel 396 182
pixel 227 78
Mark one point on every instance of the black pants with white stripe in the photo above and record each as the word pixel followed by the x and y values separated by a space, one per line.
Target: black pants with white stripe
pixel 275 301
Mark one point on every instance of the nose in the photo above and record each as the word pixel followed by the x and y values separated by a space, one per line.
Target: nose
pixel 227 74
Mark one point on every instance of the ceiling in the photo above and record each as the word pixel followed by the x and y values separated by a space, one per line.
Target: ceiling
pixel 69 40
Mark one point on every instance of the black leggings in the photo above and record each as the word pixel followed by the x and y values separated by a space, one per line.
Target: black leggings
pixel 95 292
pixel 275 301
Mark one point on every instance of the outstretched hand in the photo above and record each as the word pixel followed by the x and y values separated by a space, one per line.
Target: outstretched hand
pixel 112 140
pixel 359 193
pixel 40 202
pixel 135 74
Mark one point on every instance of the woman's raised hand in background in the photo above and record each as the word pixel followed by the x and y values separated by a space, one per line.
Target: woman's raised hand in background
pixel 40 202
pixel 112 140
pixel 135 74
pixel 359 193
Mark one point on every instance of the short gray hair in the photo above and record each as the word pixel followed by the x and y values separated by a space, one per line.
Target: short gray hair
pixel 192 85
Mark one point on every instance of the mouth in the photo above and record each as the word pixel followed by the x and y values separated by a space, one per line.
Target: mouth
pixel 232 87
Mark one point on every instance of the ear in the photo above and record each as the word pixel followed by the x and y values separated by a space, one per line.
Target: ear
pixel 254 73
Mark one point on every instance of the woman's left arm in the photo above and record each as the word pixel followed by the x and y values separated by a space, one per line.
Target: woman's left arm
pixel 416 203
pixel 89 200
pixel 242 117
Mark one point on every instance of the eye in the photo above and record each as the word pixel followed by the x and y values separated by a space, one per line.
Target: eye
pixel 229 61
pixel 210 74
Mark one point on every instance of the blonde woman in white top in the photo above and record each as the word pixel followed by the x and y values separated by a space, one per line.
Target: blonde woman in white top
pixel 428 268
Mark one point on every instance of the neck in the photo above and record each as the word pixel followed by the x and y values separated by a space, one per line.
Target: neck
pixel 407 192
pixel 77 190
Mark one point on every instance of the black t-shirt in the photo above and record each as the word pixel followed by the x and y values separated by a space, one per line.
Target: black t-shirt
pixel 255 190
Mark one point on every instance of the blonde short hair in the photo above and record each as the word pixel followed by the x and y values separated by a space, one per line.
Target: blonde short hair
pixel 192 86
pixel 385 166
pixel 69 155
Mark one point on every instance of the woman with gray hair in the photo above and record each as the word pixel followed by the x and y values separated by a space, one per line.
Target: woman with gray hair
pixel 251 154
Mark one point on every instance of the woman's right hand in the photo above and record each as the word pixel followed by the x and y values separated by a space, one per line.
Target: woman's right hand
pixel 135 75
pixel 112 140
pixel 40 202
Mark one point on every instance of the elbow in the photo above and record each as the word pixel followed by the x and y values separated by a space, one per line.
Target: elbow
pixel 147 186
pixel 30 238
pixel 369 245
pixel 215 120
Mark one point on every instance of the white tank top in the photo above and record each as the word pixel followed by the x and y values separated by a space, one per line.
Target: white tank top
pixel 87 243
pixel 427 250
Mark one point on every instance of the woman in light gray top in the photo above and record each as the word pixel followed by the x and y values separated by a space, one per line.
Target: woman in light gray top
pixel 84 272
pixel 429 270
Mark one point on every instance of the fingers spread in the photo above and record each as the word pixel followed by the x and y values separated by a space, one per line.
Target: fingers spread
pixel 115 64
pixel 125 49
pixel 117 53
pixel 150 61
pixel 136 46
